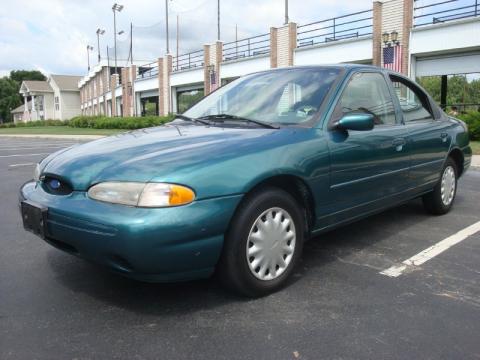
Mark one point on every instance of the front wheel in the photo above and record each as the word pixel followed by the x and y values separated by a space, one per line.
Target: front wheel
pixel 440 200
pixel 263 244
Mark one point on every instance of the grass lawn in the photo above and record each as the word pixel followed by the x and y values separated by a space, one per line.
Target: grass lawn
pixel 58 130
pixel 475 147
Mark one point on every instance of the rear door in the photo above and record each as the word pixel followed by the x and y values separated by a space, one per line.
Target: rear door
pixel 367 167
pixel 428 139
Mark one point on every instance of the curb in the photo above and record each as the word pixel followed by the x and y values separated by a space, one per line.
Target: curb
pixel 52 136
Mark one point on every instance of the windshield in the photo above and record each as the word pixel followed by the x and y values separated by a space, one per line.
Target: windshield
pixel 289 96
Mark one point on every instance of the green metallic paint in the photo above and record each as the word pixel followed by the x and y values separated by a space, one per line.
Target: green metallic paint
pixel 349 174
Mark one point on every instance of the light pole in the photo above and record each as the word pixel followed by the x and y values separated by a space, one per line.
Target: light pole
pixel 286 12
pixel 166 25
pixel 218 20
pixel 116 7
pixel 88 55
pixel 99 32
pixel 178 37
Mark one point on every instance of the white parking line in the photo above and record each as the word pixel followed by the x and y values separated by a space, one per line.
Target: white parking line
pixel 432 251
pixel 15 155
pixel 19 165
pixel 32 147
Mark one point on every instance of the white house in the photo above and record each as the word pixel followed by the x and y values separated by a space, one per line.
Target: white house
pixel 57 98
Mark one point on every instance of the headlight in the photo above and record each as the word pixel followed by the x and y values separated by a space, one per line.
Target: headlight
pixel 141 194
pixel 36 173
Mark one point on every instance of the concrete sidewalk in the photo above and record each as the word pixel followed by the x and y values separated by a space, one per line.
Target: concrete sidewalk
pixel 476 161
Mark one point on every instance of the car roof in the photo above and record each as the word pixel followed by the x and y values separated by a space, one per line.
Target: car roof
pixel 346 66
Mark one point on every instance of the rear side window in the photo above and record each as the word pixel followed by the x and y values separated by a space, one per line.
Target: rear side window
pixel 413 101
pixel 367 92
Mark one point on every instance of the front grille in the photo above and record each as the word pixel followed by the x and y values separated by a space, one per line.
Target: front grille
pixel 56 186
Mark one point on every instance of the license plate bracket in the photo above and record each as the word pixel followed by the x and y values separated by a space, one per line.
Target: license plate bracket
pixel 34 217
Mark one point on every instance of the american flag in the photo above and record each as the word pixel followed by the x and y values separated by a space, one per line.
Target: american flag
pixel 392 58
pixel 213 81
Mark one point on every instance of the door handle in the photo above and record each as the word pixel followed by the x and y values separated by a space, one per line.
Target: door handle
pixel 398 143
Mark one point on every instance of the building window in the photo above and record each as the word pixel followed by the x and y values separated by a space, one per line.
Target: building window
pixel 185 99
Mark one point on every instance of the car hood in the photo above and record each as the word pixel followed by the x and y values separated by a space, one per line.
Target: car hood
pixel 154 153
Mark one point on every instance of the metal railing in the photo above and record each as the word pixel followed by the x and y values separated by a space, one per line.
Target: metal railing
pixel 148 70
pixel 188 61
pixel 248 47
pixel 434 12
pixel 339 28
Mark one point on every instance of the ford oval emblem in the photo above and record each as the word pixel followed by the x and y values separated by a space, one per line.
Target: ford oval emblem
pixel 55 184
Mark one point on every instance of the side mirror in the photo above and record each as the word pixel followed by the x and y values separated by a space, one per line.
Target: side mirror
pixel 360 121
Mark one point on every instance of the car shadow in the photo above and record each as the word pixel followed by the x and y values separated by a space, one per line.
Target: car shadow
pixel 179 298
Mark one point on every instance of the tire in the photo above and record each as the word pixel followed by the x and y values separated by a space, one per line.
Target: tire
pixel 262 228
pixel 436 203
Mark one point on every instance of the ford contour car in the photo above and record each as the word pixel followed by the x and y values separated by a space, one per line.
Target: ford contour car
pixel 237 183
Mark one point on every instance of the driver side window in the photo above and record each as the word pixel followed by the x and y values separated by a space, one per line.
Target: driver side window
pixel 367 92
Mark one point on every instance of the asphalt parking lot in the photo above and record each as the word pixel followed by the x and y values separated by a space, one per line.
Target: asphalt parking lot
pixel 338 306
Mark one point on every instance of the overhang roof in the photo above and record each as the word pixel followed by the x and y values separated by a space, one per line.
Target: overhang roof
pixel 66 82
pixel 35 86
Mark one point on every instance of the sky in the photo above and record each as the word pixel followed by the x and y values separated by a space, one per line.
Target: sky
pixel 52 35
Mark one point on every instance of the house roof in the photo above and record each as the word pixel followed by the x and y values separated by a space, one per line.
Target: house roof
pixel 37 86
pixel 21 108
pixel 66 82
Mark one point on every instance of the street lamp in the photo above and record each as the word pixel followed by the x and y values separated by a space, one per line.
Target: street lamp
pixel 89 48
pixel 120 32
pixel 393 36
pixel 116 7
pixel 99 32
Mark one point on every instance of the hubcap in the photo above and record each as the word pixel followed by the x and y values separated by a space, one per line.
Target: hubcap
pixel 271 244
pixel 448 185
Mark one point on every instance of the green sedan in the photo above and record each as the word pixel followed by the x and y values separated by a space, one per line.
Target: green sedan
pixel 241 180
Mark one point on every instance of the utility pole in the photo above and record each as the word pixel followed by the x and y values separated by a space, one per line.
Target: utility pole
pixel 166 24
pixel 286 12
pixel 218 19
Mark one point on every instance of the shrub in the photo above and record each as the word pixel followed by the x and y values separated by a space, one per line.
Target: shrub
pixel 37 123
pixel 129 123
pixel 472 119
pixel 98 122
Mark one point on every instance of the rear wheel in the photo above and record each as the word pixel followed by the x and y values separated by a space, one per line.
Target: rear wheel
pixel 263 244
pixel 440 200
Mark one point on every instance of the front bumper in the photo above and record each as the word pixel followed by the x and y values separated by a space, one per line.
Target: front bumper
pixel 167 244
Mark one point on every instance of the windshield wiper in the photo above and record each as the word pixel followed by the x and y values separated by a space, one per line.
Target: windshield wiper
pixel 187 118
pixel 220 117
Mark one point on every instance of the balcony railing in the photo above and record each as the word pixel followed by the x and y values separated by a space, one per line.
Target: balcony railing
pixel 342 27
pixel 148 70
pixel 433 12
pixel 188 61
pixel 248 47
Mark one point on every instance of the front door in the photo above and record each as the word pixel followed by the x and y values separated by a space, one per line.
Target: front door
pixel 367 167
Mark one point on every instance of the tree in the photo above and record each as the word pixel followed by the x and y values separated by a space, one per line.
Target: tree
pixel 460 90
pixel 21 75
pixel 9 90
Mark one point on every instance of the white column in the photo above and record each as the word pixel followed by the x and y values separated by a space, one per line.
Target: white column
pixel 25 114
pixel 33 109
